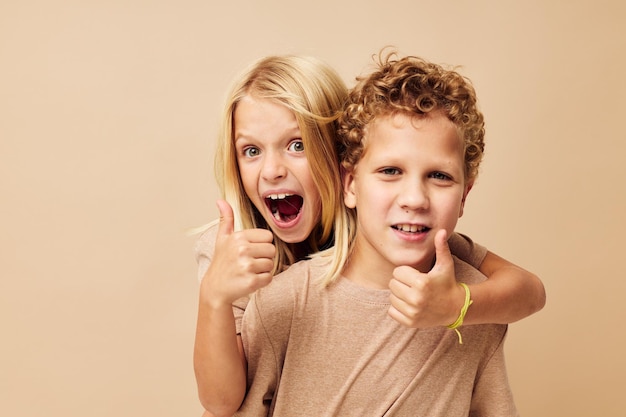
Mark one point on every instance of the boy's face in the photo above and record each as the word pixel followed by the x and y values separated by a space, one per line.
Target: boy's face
pixel 408 184
pixel 274 168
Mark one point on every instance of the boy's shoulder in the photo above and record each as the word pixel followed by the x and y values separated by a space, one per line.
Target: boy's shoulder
pixel 276 303
pixel 301 274
pixel 287 289
pixel 467 273
pixel 463 247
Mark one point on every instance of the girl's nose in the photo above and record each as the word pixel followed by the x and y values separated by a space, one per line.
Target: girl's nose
pixel 273 167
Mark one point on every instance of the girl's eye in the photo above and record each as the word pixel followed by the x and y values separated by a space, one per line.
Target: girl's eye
pixel 439 176
pixel 251 152
pixel 296 146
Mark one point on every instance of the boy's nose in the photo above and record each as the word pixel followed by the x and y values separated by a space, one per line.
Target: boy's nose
pixel 414 197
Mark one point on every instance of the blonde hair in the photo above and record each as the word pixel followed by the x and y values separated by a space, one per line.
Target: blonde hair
pixel 315 93
pixel 413 86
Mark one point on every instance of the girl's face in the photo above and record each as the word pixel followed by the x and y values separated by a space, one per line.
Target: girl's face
pixel 408 184
pixel 274 169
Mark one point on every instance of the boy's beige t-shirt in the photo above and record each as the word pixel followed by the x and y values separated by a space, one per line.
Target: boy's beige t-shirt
pixel 461 246
pixel 336 352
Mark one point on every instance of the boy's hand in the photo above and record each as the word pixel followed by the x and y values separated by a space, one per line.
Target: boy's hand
pixel 430 299
pixel 242 263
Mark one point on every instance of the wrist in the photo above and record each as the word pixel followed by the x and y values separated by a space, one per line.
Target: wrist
pixel 212 300
pixel 456 304
pixel 459 321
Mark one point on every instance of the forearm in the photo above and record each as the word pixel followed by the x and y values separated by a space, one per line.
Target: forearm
pixel 218 360
pixel 241 263
pixel 509 294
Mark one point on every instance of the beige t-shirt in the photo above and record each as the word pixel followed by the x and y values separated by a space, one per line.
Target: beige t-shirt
pixel 461 246
pixel 335 351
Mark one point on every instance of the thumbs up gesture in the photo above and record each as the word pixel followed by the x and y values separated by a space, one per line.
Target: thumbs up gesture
pixel 242 262
pixel 430 299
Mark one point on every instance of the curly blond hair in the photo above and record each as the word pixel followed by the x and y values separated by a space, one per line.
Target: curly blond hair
pixel 412 85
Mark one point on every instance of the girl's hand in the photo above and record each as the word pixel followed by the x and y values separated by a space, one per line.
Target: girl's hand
pixel 242 263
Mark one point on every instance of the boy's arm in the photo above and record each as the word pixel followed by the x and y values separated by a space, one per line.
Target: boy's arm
pixel 509 294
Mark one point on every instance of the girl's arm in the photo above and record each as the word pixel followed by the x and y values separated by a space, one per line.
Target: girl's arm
pixel 509 294
pixel 242 263
pixel 219 361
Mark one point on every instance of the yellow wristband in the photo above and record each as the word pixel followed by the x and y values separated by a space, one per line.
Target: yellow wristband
pixel 459 321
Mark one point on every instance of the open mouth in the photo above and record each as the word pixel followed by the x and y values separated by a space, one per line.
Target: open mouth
pixel 284 207
pixel 411 228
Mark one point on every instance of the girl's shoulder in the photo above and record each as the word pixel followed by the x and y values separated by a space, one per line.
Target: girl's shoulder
pixel 205 243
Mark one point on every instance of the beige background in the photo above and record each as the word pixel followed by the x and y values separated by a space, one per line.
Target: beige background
pixel 108 111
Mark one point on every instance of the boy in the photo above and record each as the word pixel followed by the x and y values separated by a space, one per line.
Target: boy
pixel 412 141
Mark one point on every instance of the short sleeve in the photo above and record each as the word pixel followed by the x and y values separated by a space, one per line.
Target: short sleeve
pixel 467 250
pixel 205 248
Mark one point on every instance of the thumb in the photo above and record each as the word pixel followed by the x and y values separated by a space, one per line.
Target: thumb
pixel 227 220
pixel 443 257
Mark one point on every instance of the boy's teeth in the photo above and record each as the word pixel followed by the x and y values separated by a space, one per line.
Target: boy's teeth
pixel 409 228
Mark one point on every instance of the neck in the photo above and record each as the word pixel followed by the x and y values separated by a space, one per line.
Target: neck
pixel 370 269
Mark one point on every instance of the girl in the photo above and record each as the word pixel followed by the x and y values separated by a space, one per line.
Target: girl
pixel 277 165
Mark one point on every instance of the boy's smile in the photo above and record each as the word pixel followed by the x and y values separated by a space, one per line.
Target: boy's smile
pixel 274 169
pixel 408 184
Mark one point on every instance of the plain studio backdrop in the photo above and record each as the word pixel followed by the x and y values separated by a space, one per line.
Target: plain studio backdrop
pixel 108 118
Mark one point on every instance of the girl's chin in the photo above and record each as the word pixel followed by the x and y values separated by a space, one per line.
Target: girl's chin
pixel 292 238
pixel 294 231
pixel 295 234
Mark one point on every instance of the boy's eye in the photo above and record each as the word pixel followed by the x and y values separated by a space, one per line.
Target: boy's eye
pixel 390 171
pixel 296 146
pixel 251 152
pixel 439 176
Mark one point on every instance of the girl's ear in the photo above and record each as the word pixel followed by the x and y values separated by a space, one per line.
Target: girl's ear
pixel 349 194
pixel 468 187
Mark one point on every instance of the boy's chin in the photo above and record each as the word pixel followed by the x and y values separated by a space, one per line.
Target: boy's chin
pixel 422 264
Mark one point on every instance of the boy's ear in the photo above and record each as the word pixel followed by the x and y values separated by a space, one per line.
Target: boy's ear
pixel 349 195
pixel 468 187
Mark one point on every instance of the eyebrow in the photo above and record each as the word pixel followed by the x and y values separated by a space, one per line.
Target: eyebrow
pixel 290 133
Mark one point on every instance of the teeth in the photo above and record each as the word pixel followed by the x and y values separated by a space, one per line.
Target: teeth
pixel 278 196
pixel 412 228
